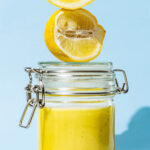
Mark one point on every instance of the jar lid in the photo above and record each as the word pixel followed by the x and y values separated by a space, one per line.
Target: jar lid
pixel 69 66
pixel 65 79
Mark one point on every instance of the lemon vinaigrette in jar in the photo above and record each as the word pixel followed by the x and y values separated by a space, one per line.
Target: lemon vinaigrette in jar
pixel 76 106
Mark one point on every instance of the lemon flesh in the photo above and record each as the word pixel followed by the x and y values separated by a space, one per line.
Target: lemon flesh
pixel 74 36
pixel 70 4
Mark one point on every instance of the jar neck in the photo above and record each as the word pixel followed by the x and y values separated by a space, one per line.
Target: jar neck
pixel 78 101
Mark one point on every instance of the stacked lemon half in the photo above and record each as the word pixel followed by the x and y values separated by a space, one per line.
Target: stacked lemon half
pixel 73 34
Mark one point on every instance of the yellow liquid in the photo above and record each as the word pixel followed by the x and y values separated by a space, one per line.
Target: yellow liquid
pixel 76 128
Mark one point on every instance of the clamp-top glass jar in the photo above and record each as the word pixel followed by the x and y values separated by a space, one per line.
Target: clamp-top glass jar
pixel 76 105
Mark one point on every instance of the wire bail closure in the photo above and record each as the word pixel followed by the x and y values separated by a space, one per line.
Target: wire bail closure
pixel 33 102
pixel 125 86
pixel 39 89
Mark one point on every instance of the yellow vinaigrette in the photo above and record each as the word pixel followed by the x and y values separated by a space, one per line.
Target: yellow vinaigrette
pixel 76 128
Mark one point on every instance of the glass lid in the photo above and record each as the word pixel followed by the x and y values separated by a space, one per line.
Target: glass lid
pixel 87 66
pixel 78 78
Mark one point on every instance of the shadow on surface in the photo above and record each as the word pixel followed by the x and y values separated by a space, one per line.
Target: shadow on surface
pixel 137 137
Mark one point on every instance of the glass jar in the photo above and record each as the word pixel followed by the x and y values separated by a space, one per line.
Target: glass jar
pixel 76 104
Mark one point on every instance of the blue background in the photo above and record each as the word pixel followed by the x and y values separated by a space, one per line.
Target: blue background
pixel 127 45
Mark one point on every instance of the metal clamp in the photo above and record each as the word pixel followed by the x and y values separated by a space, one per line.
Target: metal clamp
pixel 125 86
pixel 33 102
pixel 34 105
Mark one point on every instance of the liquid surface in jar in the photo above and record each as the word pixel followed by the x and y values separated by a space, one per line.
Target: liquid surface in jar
pixel 76 128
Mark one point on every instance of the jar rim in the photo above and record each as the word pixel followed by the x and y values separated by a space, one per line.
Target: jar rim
pixel 73 66
pixel 71 63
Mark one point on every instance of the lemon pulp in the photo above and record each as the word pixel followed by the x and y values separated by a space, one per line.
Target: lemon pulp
pixel 74 36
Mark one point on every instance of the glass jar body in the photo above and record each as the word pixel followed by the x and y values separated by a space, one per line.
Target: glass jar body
pixel 84 123
pixel 76 108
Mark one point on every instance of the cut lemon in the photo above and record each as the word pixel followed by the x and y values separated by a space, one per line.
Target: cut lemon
pixel 70 4
pixel 74 36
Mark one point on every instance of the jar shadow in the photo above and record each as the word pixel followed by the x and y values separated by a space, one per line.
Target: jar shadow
pixel 137 137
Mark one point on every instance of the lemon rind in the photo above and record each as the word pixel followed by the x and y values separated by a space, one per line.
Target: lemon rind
pixel 70 6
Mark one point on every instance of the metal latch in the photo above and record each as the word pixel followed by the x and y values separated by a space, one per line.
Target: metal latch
pixel 125 86
pixel 33 102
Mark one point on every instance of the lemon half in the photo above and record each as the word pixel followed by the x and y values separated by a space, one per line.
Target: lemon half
pixel 70 4
pixel 74 36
